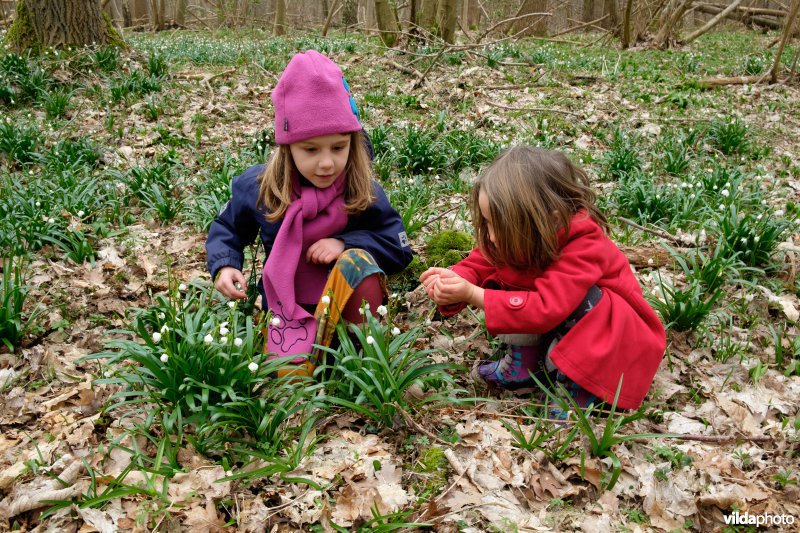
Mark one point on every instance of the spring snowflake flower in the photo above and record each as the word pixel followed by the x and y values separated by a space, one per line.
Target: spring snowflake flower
pixel 252 367
pixel 744 240
pixel 779 213
pixel 80 214
pixel 395 331
pixel 156 337
pixel 275 321
pixel 370 339
pixel 756 238
pixel 650 261
pixel 208 339
pixel 231 304
pixel 360 310
pixel 50 221
pixel 161 316
pixel 223 340
pixel 326 299
pixel 237 342
pixel 725 193
pixel 223 330
pixel 108 373
pixel 38 204
pixel 182 287
pixel 382 310
pixel 722 207
pixel 164 358
pixel 164 328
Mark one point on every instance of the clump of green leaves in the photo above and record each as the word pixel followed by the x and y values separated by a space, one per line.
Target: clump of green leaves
pixel 622 158
pixel 375 364
pixel 729 136
pixel 15 320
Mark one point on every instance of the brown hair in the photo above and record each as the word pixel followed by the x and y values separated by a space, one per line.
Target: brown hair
pixel 532 194
pixel 275 190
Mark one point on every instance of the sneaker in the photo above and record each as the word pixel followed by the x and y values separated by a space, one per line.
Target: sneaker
pixel 581 396
pixel 512 371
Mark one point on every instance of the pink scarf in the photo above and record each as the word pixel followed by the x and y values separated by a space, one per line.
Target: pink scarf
pixel 288 279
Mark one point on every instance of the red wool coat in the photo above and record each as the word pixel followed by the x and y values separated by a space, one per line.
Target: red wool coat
pixel 620 337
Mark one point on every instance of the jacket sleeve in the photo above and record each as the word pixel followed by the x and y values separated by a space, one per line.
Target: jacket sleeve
pixel 558 291
pixel 235 226
pixel 379 230
pixel 474 268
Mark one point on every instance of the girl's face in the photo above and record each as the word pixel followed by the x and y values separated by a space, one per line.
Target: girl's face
pixel 483 204
pixel 321 159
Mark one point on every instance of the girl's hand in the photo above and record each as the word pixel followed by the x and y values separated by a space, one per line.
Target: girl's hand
pixel 445 287
pixel 325 251
pixel 226 280
pixel 431 276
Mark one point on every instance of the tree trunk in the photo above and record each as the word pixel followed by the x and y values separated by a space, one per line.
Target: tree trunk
pixel 713 22
pixel 470 14
pixel 612 22
pixel 587 13
pixel 787 31
pixel 180 13
pixel 127 20
pixel 279 27
pixel 626 25
pixel 350 13
pixel 535 24
pixel 387 22
pixel 42 24
pixel 427 14
pixel 446 17
pixel 743 17
pixel 157 14
pixel 673 13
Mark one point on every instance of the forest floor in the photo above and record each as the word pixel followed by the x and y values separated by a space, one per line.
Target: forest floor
pixel 108 190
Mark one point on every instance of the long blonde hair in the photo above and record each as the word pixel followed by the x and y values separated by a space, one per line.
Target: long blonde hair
pixel 532 195
pixel 275 190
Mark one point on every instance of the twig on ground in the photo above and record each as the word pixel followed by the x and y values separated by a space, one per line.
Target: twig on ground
pixel 538 109
pixel 658 233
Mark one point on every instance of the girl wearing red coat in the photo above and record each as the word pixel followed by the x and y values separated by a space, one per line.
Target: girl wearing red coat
pixel 552 284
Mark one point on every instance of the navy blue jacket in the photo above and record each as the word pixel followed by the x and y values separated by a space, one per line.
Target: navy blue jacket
pixel 379 229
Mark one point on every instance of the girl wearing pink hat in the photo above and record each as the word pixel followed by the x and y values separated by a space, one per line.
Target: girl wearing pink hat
pixel 328 229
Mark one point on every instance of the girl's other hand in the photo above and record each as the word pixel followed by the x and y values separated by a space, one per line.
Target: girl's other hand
pixel 226 283
pixel 325 251
pixel 430 277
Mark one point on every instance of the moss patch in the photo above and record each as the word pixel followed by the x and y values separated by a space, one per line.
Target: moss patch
pixel 448 248
pixel 432 469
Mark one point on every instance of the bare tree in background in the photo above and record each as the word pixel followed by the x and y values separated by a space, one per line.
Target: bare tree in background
pixel 534 24
pixel 427 14
pixel 350 12
pixel 588 11
pixel 157 18
pixel 387 22
pixel 44 23
pixel 667 23
pixel 180 12
pixel 446 17
pixel 610 8
pixel 626 24
pixel 279 25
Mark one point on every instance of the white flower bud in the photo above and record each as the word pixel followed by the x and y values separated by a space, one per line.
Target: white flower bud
pixel 231 304
pixel 164 358
pixel 237 342
pixel 395 331
pixel 382 310
pixel 252 366
pixel 156 337
pixel 223 330
pixel 370 339
pixel 275 321
pixel 208 339
pixel 182 287
pixel 223 340
pixel 326 299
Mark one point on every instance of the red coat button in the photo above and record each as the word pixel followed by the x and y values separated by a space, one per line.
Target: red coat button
pixel 516 301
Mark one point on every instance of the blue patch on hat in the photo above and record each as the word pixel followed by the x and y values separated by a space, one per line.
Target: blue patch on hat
pixel 353 105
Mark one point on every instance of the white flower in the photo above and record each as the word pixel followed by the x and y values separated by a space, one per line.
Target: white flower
pixel 156 337
pixel 208 339
pixel 164 328
pixel 756 238
pixel 275 321
pixel 763 202
pixel 360 310
pixel 237 342
pixel 50 221
pixel 223 340
pixel 182 287
pixel 80 214
pixel 164 358
pixel 161 316
pixel 108 373
pixel 382 310
pixel 722 207
pixel 366 304
pixel 725 193
pixel 759 217
pixel 38 204
pixel 370 339
pixel 650 261
pixel 231 304
pixel 395 331
pixel 326 299
pixel 744 240
pixel 252 366
pixel 779 213
pixel 223 330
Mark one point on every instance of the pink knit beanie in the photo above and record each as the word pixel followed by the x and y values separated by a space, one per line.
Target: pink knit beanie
pixel 312 98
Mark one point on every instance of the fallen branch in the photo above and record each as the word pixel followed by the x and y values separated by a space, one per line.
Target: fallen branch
pixel 713 22
pixel 658 233
pixel 717 439
pixel 580 26
pixel 731 80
